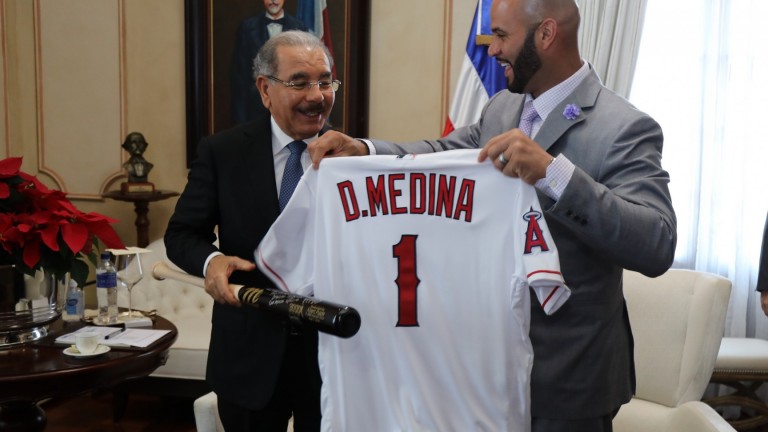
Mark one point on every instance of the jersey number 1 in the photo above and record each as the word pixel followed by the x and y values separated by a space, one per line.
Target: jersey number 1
pixel 407 280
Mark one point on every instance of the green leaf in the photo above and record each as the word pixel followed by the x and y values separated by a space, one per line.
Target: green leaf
pixel 79 272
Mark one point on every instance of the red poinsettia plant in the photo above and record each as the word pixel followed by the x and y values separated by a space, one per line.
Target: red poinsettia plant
pixel 41 229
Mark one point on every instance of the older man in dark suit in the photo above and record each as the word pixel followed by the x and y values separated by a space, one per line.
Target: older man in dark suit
pixel 596 163
pixel 251 35
pixel 263 368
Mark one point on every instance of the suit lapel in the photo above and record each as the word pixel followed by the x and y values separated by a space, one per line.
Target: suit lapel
pixel 260 162
pixel 556 124
pixel 262 34
pixel 513 119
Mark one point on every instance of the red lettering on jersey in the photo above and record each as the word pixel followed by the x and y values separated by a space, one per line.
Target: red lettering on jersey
pixel 446 191
pixel 464 201
pixel 534 237
pixel 394 192
pixel 348 200
pixel 434 194
pixel 431 194
pixel 407 281
pixel 377 195
pixel 418 193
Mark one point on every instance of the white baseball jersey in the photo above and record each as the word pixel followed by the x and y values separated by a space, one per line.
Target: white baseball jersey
pixel 437 253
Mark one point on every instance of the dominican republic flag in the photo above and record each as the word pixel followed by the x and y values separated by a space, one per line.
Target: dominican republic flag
pixel 481 76
pixel 314 13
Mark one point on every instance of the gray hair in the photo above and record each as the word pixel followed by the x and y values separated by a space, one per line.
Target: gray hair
pixel 265 62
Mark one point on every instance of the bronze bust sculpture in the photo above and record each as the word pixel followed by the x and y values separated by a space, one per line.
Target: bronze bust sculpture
pixel 136 166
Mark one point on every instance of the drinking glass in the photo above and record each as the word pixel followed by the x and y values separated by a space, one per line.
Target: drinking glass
pixel 130 273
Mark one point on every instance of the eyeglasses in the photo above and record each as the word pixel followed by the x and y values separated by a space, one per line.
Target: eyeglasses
pixel 322 85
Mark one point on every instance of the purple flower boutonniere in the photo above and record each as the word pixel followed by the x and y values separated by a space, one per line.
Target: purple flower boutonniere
pixel 571 111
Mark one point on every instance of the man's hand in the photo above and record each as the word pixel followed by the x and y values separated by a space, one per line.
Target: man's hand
pixel 332 144
pixel 217 275
pixel 764 301
pixel 523 157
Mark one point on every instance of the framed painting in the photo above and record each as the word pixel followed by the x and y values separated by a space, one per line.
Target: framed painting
pixel 210 38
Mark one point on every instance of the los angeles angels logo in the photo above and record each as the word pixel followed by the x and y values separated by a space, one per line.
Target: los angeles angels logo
pixel 534 237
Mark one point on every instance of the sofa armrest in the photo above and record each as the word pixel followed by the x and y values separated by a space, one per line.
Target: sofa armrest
pixel 697 416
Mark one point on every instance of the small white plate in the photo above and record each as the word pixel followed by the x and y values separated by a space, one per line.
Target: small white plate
pixel 72 352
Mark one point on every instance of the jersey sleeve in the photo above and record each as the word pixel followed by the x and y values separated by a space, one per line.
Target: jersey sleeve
pixel 541 259
pixel 286 253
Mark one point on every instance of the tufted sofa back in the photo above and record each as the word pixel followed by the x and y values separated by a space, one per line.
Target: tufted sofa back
pixel 188 307
pixel 171 299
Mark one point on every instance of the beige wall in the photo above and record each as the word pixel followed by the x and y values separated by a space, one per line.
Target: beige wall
pixel 77 75
pixel 416 52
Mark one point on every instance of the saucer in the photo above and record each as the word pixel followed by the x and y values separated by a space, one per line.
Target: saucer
pixel 72 352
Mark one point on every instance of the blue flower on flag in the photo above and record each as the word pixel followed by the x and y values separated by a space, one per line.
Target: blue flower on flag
pixel 571 111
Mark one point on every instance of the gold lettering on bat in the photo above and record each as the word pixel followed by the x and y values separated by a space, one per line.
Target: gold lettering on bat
pixel 296 310
pixel 315 313
pixel 252 295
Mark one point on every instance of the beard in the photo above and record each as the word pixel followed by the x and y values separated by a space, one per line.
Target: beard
pixel 274 9
pixel 526 64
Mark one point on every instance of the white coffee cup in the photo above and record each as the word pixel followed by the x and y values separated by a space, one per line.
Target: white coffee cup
pixel 87 342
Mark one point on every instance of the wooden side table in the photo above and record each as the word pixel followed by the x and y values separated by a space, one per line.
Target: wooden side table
pixel 40 370
pixel 141 202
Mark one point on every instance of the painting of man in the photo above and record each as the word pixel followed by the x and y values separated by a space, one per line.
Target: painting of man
pixel 251 35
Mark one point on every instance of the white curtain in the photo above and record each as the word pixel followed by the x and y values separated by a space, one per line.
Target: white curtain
pixel 701 73
pixel 609 39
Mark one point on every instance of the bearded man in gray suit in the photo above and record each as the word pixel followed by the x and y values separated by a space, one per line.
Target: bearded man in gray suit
pixel 595 161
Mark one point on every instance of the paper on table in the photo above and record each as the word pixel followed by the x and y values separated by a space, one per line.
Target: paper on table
pixel 118 336
pixel 137 337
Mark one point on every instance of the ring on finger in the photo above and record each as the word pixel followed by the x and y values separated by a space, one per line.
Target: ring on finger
pixel 503 160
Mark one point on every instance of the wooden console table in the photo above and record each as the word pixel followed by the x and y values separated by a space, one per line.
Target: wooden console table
pixel 141 202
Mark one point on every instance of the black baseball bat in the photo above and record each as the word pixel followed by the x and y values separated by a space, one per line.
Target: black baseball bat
pixel 327 317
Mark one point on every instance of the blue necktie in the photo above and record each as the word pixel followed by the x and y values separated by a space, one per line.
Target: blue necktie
pixel 292 173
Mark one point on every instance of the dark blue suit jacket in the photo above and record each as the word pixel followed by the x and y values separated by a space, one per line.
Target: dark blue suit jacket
pixel 231 185
pixel 251 36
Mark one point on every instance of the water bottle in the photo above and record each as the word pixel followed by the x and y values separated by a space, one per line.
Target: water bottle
pixel 73 310
pixel 106 290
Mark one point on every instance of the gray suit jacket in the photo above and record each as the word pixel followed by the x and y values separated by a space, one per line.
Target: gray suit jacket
pixel 615 213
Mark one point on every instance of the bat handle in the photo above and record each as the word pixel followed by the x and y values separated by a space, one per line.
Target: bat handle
pixel 162 271
pixel 338 320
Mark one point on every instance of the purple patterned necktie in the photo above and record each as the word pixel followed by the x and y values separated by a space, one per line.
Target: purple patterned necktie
pixel 293 172
pixel 528 117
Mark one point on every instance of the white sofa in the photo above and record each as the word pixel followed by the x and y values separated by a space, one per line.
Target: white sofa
pixel 189 308
pixel 677 322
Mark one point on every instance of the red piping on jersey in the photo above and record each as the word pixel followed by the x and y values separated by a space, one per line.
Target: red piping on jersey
pixel 264 263
pixel 544 271
pixel 544 305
